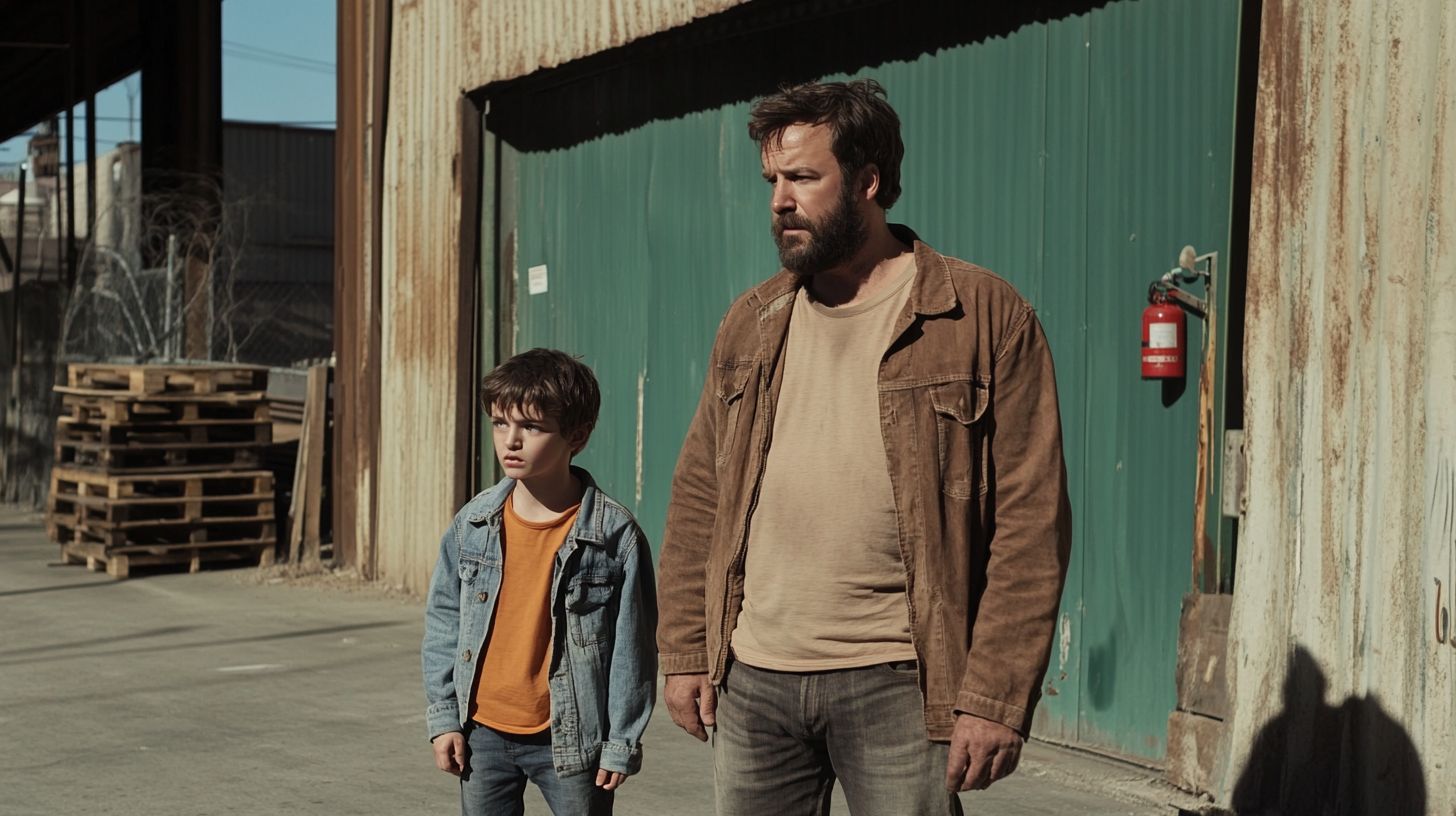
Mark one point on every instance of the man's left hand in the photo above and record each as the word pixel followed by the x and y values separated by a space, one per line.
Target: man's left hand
pixel 981 752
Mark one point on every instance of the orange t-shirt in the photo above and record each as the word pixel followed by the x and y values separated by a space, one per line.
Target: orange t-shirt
pixel 511 691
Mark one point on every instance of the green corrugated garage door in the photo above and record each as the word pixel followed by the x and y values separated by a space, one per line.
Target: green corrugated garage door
pixel 1074 157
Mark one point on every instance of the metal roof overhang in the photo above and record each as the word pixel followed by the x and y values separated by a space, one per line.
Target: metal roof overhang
pixel 744 52
pixel 44 39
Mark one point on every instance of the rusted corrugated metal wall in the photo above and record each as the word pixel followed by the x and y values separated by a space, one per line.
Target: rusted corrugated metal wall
pixel 1342 664
pixel 363 49
pixel 437 50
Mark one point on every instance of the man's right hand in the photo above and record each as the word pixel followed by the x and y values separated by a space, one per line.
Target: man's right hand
pixel 691 700
pixel 450 752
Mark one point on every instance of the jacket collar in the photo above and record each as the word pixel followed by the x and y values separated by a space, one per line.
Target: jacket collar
pixel 490 505
pixel 931 293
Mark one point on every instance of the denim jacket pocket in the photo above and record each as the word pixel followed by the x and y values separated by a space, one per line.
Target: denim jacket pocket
pixel 732 382
pixel 589 599
pixel 959 407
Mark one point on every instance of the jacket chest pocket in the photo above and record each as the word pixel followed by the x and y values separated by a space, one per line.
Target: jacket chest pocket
pixel 590 603
pixel 961 436
pixel 732 382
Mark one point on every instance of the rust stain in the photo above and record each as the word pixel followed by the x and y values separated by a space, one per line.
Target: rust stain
pixel 1350 334
pixel 436 50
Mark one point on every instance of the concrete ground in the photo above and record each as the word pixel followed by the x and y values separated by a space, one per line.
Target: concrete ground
pixel 222 693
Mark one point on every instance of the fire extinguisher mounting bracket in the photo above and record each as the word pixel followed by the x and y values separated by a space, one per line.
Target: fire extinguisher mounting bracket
pixel 1187 271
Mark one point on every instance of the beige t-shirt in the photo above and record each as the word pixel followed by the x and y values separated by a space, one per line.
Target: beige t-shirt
pixel 824 584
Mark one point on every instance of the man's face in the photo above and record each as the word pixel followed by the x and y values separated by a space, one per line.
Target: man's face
pixel 817 222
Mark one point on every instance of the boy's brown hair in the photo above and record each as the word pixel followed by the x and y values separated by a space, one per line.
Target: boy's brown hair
pixel 863 128
pixel 546 383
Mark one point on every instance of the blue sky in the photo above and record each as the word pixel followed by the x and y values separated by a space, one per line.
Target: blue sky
pixel 277 66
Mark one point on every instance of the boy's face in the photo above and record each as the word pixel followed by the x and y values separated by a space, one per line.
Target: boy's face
pixel 530 446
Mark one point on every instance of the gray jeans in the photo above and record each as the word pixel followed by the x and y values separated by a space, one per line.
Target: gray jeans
pixel 783 738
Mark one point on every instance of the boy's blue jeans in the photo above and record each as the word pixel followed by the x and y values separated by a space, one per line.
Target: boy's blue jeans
pixel 784 738
pixel 497 766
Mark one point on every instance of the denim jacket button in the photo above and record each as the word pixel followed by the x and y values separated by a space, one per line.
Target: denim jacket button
pixel 481 597
pixel 467 654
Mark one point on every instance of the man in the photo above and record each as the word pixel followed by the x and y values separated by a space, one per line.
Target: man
pixel 869 525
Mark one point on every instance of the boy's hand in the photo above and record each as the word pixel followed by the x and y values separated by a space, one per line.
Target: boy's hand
pixel 450 752
pixel 610 780
pixel 691 700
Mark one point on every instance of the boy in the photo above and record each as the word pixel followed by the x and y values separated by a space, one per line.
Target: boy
pixel 538 653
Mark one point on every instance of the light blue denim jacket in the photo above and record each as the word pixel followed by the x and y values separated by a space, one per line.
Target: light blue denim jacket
pixel 603 670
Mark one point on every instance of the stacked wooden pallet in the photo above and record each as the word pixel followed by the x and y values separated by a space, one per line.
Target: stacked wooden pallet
pixel 159 465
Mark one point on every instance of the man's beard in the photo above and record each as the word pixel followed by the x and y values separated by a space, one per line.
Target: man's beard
pixel 829 243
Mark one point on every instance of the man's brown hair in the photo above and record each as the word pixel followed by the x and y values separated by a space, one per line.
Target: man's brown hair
pixel 863 128
pixel 544 383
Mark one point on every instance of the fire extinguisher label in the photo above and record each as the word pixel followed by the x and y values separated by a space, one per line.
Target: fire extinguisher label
pixel 1162 335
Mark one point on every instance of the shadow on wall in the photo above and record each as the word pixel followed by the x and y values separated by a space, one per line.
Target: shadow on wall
pixel 1317 759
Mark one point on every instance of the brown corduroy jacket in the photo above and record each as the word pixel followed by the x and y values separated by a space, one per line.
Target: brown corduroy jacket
pixel 972 433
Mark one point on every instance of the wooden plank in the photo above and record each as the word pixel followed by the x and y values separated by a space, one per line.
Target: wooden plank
pixel 138 447
pixel 316 413
pixel 221 534
pixel 118 564
pixel 1196 751
pixel 221 396
pixel 154 379
pixel 156 459
pixel 102 501
pixel 1203 655
pixel 116 485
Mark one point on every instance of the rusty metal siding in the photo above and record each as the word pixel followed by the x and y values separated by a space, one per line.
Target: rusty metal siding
pixel 511 38
pixel 363 74
pixel 1347 541
pixel 436 50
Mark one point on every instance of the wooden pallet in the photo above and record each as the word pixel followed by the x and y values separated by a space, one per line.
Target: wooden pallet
pixel 160 507
pixel 150 534
pixel 118 561
pixel 159 379
pixel 224 502
pixel 185 457
pixel 199 486
pixel 193 432
pixel 92 408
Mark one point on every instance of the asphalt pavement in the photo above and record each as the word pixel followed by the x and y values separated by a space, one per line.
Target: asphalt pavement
pixel 227 692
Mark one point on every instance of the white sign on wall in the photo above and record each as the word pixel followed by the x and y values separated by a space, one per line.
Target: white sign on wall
pixel 536 279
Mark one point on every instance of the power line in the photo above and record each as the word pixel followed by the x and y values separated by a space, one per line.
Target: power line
pixel 280 54
pixel 264 55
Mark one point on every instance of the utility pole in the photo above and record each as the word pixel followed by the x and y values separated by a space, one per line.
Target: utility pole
pixel 13 419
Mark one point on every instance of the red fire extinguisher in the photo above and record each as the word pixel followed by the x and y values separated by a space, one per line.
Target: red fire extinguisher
pixel 1165 337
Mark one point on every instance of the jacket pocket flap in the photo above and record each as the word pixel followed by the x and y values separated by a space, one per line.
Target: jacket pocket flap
pixel 965 401
pixel 591 589
pixel 732 380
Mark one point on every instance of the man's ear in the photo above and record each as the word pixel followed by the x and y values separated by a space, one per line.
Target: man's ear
pixel 868 184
